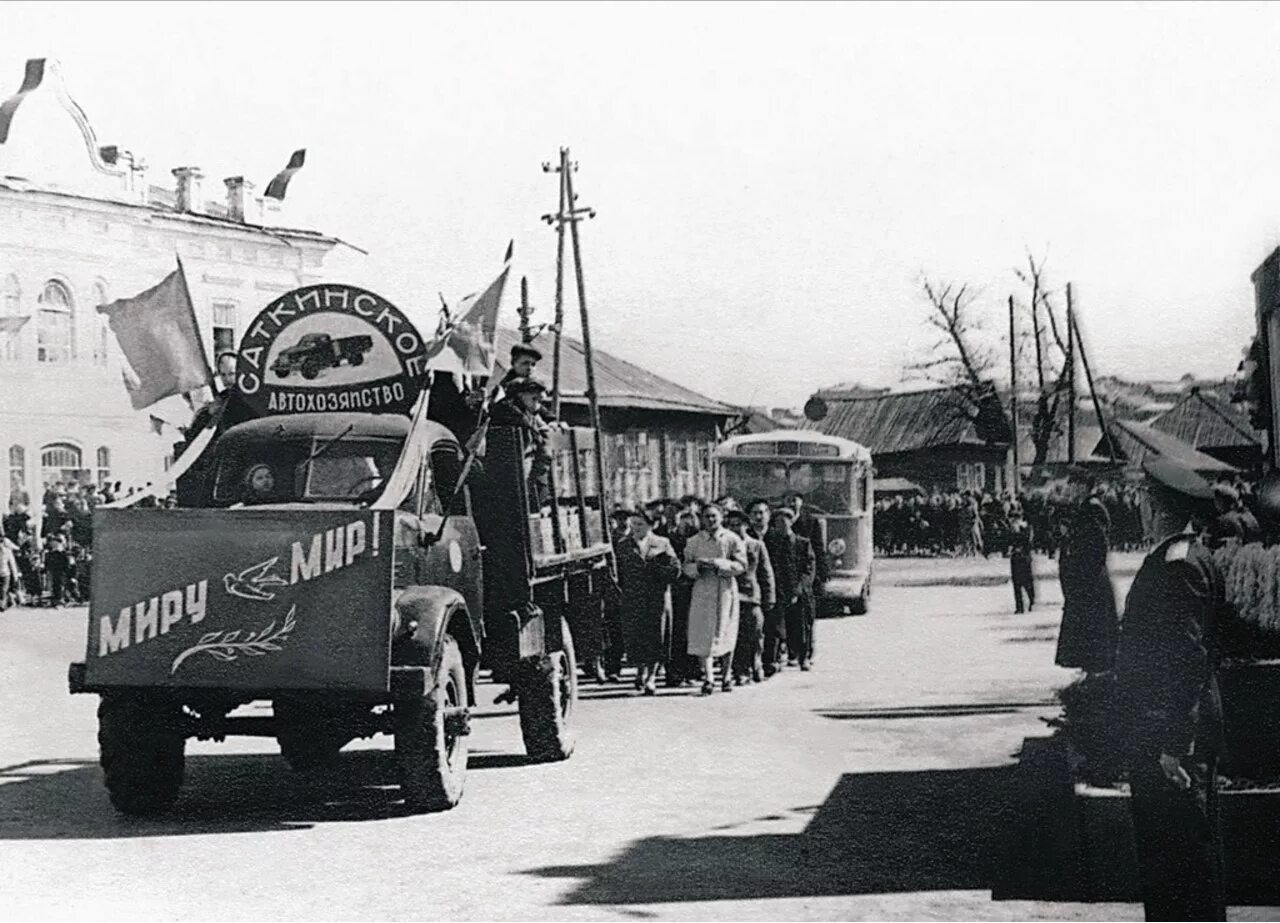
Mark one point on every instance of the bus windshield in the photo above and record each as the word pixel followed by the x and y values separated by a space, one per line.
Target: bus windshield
pixel 827 487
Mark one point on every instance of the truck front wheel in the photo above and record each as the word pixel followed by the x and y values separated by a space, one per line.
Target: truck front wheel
pixel 548 698
pixel 431 741
pixel 141 746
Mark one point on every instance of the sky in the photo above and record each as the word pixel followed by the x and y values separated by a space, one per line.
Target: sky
pixel 771 181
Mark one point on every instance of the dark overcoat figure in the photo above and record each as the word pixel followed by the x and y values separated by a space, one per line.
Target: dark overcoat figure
pixel 646 570
pixel 1165 669
pixel 1087 638
pixel 793 571
pixel 755 597
pixel 680 666
pixel 1021 541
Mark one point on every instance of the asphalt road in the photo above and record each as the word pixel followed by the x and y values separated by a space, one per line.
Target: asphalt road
pixel 863 789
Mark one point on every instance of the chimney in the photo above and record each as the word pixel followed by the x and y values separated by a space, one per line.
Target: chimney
pixel 190 198
pixel 242 206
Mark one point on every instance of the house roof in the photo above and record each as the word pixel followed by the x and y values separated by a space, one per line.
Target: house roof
pixel 1088 438
pixel 911 420
pixel 1206 421
pixel 619 383
pixel 1137 440
pixel 896 486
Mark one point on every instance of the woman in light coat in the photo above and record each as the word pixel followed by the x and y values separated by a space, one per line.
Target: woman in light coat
pixel 713 559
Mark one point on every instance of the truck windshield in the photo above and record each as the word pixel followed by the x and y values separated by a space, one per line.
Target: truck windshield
pixel 351 468
pixel 827 487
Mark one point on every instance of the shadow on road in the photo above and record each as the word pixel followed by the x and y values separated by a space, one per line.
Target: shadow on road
pixel 236 793
pixel 876 833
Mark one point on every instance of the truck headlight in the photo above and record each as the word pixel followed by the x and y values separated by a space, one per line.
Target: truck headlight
pixel 836 546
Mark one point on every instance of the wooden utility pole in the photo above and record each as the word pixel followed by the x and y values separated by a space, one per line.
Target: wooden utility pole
pixel 571 214
pixel 1093 393
pixel 1013 396
pixel 1071 380
pixel 558 323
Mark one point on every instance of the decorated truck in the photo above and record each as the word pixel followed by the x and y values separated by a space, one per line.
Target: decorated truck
pixel 346 560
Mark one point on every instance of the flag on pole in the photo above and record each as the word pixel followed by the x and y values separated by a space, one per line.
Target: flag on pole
pixel 157 425
pixel 13 324
pixel 468 345
pixel 160 339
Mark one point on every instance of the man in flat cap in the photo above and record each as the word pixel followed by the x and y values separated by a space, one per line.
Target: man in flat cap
pixel 524 359
pixel 521 407
pixel 1166 673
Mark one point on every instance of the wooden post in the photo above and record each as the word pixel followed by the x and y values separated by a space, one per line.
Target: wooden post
pixel 1013 397
pixel 1071 380
pixel 1093 393
pixel 526 333
pixel 558 325
pixel 593 401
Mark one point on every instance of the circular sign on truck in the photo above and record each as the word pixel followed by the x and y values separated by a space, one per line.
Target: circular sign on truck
pixel 331 347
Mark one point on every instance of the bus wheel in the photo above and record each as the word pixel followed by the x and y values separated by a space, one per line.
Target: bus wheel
pixel 431 741
pixel 548 699
pixel 863 603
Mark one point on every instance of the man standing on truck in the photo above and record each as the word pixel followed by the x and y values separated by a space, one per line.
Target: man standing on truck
pixel 1166 670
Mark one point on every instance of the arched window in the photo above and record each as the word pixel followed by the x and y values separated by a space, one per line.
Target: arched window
pixel 56 324
pixel 60 461
pixel 104 465
pixel 10 306
pixel 18 476
pixel 102 333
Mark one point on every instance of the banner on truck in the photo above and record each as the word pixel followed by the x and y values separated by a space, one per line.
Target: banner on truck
pixel 241 599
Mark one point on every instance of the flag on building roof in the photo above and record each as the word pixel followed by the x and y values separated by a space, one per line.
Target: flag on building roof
pixel 160 339
pixel 467 345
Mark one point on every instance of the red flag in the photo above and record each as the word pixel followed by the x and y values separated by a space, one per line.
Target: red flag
pixel 468 347
pixel 160 339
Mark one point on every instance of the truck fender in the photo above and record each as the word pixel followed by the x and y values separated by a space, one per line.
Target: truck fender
pixel 425 614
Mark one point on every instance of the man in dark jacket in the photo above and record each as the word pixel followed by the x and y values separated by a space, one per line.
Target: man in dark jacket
pixel 1166 672
pixel 755 596
pixel 793 569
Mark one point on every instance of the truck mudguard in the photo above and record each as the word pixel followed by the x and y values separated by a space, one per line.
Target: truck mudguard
pixel 424 614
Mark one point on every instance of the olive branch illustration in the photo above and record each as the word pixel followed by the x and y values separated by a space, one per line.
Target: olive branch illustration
pixel 230 645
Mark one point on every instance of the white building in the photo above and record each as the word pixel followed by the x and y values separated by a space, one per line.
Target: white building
pixel 81 225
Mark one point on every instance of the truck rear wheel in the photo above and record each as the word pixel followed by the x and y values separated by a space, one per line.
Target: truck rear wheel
pixel 309 735
pixel 310 369
pixel 548 699
pixel 141 747
pixel 431 749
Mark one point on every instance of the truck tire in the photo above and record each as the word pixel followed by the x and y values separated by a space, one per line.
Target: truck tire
pixel 141 749
pixel 548 699
pixel 431 756
pixel 309 369
pixel 309 735
pixel 356 358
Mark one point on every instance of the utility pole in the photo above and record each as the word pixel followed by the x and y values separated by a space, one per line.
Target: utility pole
pixel 571 214
pixel 558 322
pixel 1013 397
pixel 1093 393
pixel 1071 379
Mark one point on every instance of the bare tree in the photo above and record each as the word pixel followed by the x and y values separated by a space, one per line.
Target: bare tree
pixel 960 360
pixel 1053 358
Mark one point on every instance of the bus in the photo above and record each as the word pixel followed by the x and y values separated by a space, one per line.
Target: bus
pixel 833 475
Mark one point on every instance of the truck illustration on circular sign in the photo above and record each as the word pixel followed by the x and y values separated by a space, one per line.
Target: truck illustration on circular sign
pixel 316 352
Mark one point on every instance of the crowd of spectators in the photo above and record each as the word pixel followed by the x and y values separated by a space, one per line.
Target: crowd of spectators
pixel 48 560
pixel 959 523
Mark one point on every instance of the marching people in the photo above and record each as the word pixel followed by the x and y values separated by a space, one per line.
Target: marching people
pixel 1167 686
pixel 793 564
pixel 680 666
pixel 1021 540
pixel 713 559
pixel 647 566
pixel 10 576
pixel 755 595
pixel 1087 638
